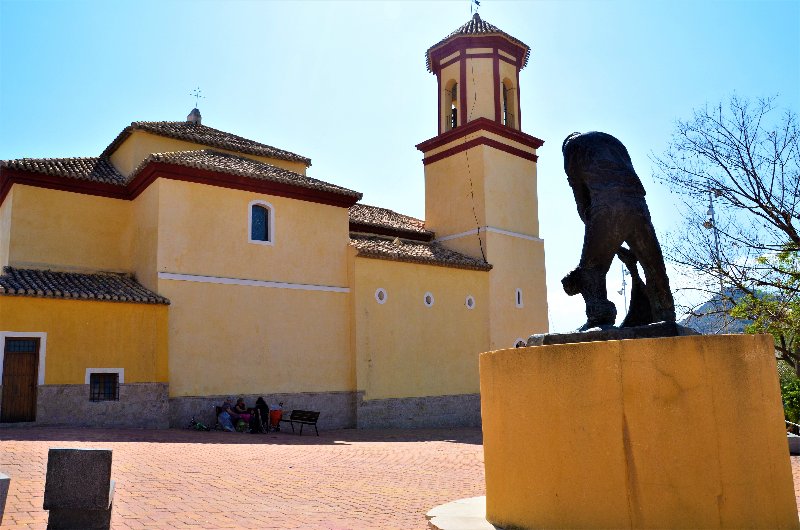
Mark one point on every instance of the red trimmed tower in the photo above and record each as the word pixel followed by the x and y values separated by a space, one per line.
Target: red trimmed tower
pixel 480 173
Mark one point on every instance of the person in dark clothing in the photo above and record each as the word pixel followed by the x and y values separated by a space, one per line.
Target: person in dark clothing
pixel 610 201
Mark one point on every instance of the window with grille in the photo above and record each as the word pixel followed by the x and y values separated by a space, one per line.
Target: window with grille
pixel 22 345
pixel 104 387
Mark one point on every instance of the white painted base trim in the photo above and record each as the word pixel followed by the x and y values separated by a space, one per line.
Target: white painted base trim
pixel 492 230
pixel 250 283
pixel 42 336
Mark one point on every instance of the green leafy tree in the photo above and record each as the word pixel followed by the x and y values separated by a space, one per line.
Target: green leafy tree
pixel 737 168
pixel 775 308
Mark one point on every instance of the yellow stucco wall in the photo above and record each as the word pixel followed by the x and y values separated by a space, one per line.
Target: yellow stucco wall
pixel 89 334
pixel 233 339
pixel 405 349
pixel 140 144
pixel 144 235
pixel 510 190
pixel 455 194
pixel 69 230
pixel 496 187
pixel 480 89
pixel 5 227
pixel 203 230
pixel 479 50
pixel 518 264
pixel 683 432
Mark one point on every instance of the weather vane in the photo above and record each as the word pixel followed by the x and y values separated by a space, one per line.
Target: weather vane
pixel 197 96
pixel 477 4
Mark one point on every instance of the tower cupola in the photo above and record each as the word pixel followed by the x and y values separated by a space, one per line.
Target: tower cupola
pixel 477 67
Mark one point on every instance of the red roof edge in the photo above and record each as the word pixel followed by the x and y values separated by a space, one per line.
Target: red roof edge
pixel 154 170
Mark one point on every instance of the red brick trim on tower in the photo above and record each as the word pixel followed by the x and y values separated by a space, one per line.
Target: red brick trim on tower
pixel 479 124
pixel 519 104
pixel 462 89
pixel 476 142
pixel 439 109
pixel 462 43
pixel 448 63
pixel 463 106
pixel 498 92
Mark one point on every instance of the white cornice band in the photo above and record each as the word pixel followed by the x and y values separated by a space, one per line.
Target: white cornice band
pixel 250 283
pixel 492 230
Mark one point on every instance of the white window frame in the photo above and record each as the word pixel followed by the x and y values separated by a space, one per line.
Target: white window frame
pixel 271 223
pixel 469 299
pixel 119 371
pixel 425 299
pixel 41 335
pixel 378 292
pixel 518 300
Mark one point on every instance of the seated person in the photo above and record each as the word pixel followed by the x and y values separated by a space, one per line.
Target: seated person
pixel 241 410
pixel 262 408
pixel 227 416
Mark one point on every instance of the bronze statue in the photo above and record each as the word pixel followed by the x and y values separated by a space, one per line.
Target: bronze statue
pixel 611 204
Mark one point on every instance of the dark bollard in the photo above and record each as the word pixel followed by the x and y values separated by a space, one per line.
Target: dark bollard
pixel 5 482
pixel 78 490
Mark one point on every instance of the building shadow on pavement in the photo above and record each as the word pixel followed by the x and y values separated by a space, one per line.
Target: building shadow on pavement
pixel 185 436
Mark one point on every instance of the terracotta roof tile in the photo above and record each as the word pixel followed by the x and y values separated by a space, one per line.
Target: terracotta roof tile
pixel 375 220
pixel 80 286
pixel 477 26
pixel 95 169
pixel 397 249
pixel 204 135
pixel 236 165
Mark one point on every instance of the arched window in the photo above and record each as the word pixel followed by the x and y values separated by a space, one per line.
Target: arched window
pixel 451 105
pixel 509 103
pixel 261 221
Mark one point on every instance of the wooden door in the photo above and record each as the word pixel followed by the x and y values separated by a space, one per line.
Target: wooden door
pixel 20 377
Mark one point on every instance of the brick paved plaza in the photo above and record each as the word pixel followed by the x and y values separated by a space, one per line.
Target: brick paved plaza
pixel 344 479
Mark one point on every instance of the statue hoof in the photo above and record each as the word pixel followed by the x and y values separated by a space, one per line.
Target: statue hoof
pixel 592 326
pixel 535 340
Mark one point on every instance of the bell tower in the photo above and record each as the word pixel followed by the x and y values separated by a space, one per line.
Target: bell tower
pixel 480 173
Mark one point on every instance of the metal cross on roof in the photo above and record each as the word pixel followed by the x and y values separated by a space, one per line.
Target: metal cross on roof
pixel 197 96
pixel 474 3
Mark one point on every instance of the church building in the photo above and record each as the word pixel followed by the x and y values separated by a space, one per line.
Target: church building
pixel 185 264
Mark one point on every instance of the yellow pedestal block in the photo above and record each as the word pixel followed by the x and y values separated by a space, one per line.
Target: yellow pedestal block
pixel 683 432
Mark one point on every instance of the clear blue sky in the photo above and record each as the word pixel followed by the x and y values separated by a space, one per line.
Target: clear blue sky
pixel 345 84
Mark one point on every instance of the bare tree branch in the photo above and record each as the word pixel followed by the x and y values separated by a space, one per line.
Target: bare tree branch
pixel 744 156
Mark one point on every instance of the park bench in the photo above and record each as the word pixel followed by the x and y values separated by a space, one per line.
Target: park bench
pixel 303 417
pixel 78 490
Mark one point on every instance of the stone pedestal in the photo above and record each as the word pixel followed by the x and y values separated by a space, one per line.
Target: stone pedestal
pixel 682 432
